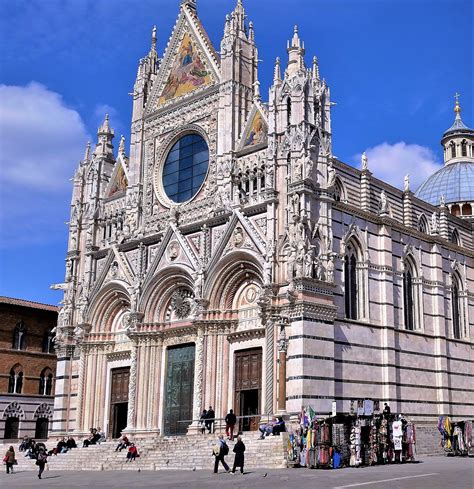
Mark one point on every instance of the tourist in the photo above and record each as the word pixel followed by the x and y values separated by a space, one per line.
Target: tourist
pixel 219 451
pixel 31 452
pixel 25 444
pixel 230 421
pixel 71 443
pixel 386 411
pixel 132 453
pixel 202 421
pixel 10 459
pixel 239 449
pixel 123 443
pixel 267 428
pixel 210 419
pixel 279 426
pixel 93 438
pixel 41 460
pixel 100 435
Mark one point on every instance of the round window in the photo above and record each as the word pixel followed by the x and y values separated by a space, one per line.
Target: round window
pixel 185 168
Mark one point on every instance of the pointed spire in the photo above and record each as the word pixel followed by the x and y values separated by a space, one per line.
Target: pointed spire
pixel 295 42
pixel 227 25
pixel 295 54
pixel 251 32
pixel 105 127
pixel 238 17
pixel 457 107
pixel 153 39
pixel 315 68
pixel 189 3
pixel 87 154
pixel 277 72
pixel 121 148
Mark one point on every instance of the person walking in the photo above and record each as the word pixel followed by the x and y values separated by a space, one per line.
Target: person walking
pixel 230 421
pixel 10 459
pixel 202 421
pixel 239 449
pixel 219 451
pixel 41 461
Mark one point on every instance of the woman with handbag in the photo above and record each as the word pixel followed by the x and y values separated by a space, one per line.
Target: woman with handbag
pixel 9 459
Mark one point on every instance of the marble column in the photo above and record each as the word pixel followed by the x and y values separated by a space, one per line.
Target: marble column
pixel 132 388
pixel 198 380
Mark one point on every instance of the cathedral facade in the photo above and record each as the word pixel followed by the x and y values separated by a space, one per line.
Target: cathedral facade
pixel 230 260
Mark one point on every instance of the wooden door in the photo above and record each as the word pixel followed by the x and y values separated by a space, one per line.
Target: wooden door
pixel 179 389
pixel 248 386
pixel 119 400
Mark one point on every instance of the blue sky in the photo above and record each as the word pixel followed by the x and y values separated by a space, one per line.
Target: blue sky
pixel 393 67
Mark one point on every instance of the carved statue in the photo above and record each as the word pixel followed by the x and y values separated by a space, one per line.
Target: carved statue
pixel 331 175
pixel 365 161
pixel 295 204
pixel 238 236
pixel 383 202
pixel 434 222
pixel 406 183
pixel 330 269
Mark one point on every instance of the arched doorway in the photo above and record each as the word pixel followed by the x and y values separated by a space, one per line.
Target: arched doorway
pixel 12 426
pixel 41 429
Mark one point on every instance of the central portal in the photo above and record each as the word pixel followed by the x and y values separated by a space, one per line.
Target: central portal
pixel 179 389
pixel 248 387
pixel 119 400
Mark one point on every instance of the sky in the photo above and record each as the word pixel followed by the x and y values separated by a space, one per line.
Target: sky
pixel 393 67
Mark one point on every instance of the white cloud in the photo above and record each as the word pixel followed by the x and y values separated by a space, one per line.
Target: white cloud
pixel 41 143
pixel 391 162
pixel 42 138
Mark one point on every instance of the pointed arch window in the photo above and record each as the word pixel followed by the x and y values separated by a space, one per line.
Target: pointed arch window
pixel 48 341
pixel 423 224
pixel 455 237
pixel 19 337
pixel 456 308
pixel 453 150
pixel 350 283
pixel 46 382
pixel 408 299
pixel 463 147
pixel 15 381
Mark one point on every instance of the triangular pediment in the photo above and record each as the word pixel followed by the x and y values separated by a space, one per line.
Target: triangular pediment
pixel 118 182
pixel 255 133
pixel 240 234
pixel 174 249
pixel 189 65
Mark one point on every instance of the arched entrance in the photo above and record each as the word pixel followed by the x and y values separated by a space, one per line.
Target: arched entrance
pixel 12 426
pixel 119 400
pixel 41 428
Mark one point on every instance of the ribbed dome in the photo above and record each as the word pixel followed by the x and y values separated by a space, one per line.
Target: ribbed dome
pixel 454 181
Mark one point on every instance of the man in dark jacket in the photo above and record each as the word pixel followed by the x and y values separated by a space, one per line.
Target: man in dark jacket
pixel 230 421
pixel 239 449
pixel 210 419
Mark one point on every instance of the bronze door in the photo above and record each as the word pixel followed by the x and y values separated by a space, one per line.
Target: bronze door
pixel 179 389
pixel 119 400
pixel 248 387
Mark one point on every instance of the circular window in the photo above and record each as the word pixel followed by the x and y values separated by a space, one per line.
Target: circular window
pixel 185 168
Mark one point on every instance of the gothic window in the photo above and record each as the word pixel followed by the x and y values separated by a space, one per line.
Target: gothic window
pixel 48 341
pixel 185 168
pixel 456 308
pixel 19 337
pixel 338 192
pixel 15 382
pixel 455 237
pixel 453 150
pixel 408 302
pixel 423 224
pixel 350 283
pixel 316 111
pixel 463 147
pixel 288 111
pixel 46 382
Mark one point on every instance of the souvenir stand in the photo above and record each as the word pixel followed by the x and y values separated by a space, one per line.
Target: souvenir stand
pixel 456 437
pixel 362 438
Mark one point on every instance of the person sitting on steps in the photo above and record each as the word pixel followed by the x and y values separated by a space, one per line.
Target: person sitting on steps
pixel 132 453
pixel 123 443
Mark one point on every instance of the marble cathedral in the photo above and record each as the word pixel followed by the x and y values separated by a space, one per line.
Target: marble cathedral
pixel 231 260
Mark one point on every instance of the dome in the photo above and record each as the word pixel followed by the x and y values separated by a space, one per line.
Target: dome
pixel 454 181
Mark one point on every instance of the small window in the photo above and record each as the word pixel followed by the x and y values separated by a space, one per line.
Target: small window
pixel 46 382
pixel 48 341
pixel 288 111
pixel 423 224
pixel 408 306
pixel 350 284
pixel 466 210
pixel 15 382
pixel 455 237
pixel 464 148
pixel 455 310
pixel 19 337
pixel 453 151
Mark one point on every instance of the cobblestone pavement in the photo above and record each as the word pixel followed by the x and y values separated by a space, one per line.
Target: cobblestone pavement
pixel 431 473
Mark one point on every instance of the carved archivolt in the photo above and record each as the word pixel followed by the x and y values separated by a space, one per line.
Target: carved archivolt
pixel 43 411
pixel 14 410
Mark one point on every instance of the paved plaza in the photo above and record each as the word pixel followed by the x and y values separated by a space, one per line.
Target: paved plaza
pixel 432 473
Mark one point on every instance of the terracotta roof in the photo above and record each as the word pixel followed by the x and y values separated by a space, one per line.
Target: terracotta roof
pixel 31 304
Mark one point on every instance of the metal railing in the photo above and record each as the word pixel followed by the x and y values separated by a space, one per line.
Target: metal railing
pixel 249 422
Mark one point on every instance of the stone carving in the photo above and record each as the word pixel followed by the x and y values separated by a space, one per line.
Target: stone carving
pixel 114 269
pixel 434 223
pixel 181 303
pixel 331 175
pixel 406 183
pixel 173 250
pixel 383 203
pixel 238 236
pixel 365 162
pixel 330 269
pixel 132 388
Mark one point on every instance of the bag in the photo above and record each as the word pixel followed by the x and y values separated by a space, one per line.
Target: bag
pixel 225 449
pixel 5 458
pixel 216 450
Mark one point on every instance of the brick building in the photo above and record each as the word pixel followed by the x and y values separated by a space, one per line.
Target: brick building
pixel 27 368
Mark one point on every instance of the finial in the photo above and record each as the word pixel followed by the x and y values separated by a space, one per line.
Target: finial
pixel 256 91
pixel 295 42
pixel 251 32
pixel 105 127
pixel 315 68
pixel 457 106
pixel 153 38
pixel 365 161
pixel 442 201
pixel 87 154
pixel 277 72
pixel 121 148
